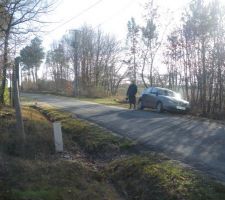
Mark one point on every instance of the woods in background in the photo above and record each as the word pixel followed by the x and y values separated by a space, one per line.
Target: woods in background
pixel 193 53
pixel 89 62
pixel 195 56
pixel 89 59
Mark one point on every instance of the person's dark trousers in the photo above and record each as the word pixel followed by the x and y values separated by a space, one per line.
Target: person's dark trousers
pixel 134 107
pixel 132 101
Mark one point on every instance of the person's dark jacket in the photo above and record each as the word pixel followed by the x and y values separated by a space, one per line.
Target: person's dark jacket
pixel 131 92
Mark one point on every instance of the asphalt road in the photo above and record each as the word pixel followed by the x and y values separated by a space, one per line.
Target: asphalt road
pixel 199 143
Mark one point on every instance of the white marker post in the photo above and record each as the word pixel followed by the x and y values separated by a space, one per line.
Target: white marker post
pixel 58 136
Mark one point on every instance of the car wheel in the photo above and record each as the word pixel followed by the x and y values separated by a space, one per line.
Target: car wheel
pixel 140 105
pixel 159 107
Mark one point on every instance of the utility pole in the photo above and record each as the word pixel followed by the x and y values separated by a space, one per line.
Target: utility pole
pixel 16 100
pixel 75 45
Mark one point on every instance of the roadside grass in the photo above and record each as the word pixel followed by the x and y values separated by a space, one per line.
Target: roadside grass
pixel 92 139
pixel 154 177
pixel 41 174
pixel 109 101
pixel 141 176
pixel 96 165
pixel 56 179
pixel 38 133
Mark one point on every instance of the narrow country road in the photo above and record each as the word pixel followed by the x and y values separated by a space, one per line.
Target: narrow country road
pixel 196 142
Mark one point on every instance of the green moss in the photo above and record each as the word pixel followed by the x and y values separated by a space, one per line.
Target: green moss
pixel 6 96
pixel 150 177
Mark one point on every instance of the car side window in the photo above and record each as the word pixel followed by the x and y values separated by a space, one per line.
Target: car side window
pixel 162 92
pixel 154 91
pixel 149 90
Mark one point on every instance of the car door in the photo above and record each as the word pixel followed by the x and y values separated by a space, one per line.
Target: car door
pixel 153 98
pixel 146 97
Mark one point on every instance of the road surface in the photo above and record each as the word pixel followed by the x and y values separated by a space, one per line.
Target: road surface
pixel 196 142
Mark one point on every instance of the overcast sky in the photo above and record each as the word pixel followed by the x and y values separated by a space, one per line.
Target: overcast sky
pixel 111 15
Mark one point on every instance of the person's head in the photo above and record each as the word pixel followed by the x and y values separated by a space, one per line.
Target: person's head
pixel 132 82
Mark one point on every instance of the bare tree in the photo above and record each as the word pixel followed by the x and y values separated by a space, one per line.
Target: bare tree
pixel 196 51
pixel 94 59
pixel 20 17
pixel 58 65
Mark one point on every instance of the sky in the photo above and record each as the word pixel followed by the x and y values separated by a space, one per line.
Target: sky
pixel 111 16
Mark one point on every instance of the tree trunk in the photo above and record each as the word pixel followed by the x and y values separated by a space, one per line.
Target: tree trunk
pixel 5 66
pixel 36 76
pixel 203 78
pixel 142 71
pixel 33 76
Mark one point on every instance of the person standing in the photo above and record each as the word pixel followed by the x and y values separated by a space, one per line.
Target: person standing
pixel 131 94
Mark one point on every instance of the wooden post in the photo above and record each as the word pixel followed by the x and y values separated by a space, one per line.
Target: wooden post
pixel 17 106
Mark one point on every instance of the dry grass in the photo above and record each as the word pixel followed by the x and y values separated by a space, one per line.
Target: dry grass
pixel 92 139
pixel 44 175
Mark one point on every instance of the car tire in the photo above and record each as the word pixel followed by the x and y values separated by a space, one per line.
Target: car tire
pixel 159 107
pixel 140 105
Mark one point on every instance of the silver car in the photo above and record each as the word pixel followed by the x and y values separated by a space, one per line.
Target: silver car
pixel 162 99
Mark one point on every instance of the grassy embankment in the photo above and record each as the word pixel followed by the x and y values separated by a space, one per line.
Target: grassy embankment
pixel 109 101
pixel 42 174
pixel 95 165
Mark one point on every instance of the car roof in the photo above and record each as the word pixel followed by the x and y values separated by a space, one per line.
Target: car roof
pixel 162 88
